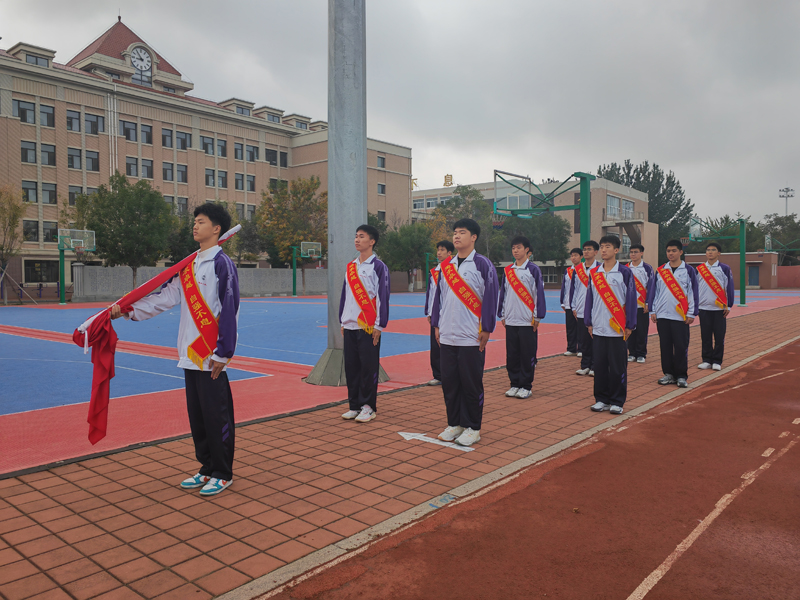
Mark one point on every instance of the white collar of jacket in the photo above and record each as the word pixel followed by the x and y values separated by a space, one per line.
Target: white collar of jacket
pixel 470 258
pixel 207 254
pixel 614 269
pixel 679 267
pixel 589 267
pixel 358 262
pixel 716 264
pixel 522 266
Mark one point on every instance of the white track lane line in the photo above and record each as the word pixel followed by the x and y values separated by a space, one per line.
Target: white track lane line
pixel 768 452
pixel 654 577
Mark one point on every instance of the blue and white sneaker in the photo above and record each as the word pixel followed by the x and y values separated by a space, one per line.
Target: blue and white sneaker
pixel 195 482
pixel 215 486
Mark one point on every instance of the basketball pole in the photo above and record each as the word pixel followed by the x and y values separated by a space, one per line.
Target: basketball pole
pixel 62 292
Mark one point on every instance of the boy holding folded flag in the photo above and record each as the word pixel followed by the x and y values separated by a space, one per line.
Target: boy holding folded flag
pixel 610 316
pixel 520 308
pixel 463 316
pixel 443 251
pixel 207 290
pixel 715 292
pixel 672 301
pixel 363 314
pixel 642 274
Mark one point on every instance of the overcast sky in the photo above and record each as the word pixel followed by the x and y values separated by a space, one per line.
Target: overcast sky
pixel 707 89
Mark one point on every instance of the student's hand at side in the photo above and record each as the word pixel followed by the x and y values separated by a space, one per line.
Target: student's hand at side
pixel 645 309
pixel 376 336
pixel 483 337
pixel 653 317
pixel 726 312
pixel 429 320
pixel 436 332
pixel 216 368
pixel 116 311
pixel 535 325
pixel 503 321
pixel 575 313
pixel 628 333
pixel 689 320
pixel 342 331
pixel 590 331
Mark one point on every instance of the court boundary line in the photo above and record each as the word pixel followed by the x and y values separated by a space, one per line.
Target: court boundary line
pixel 312 564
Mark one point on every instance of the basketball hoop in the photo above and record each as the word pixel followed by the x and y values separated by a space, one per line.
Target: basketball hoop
pixel 79 253
pixel 685 241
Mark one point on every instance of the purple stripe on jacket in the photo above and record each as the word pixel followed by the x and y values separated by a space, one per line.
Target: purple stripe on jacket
pixel 228 292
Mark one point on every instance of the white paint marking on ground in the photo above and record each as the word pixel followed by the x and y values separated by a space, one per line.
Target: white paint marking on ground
pixel 723 503
pixel 796 422
pixel 784 434
pixel 748 475
pixel 424 438
pixel 768 452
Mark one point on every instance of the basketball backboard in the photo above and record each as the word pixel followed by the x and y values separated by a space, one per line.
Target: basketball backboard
pixel 310 249
pixel 73 239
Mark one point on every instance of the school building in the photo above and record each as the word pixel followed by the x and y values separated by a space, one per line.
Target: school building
pixel 120 106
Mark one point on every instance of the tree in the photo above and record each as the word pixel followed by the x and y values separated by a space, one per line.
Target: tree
pixel 549 235
pixel 786 230
pixel 132 222
pixel 248 243
pixel 728 225
pixel 292 214
pixel 667 202
pixel 468 202
pixel 12 210
pixel 180 242
pixel 404 249
pixel 381 226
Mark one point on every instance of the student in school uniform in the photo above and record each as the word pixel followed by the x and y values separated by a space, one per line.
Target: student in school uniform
pixel 443 251
pixel 579 285
pixel 715 292
pixel 642 273
pixel 520 308
pixel 464 309
pixel 610 316
pixel 672 301
pixel 209 286
pixel 363 314
pixel 575 256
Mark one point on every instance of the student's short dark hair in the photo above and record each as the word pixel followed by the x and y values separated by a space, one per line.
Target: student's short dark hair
pixel 521 239
pixel 577 251
pixel 610 239
pixel 591 244
pixel 714 245
pixel 638 247
pixel 371 231
pixel 470 225
pixel 674 243
pixel 447 245
pixel 217 214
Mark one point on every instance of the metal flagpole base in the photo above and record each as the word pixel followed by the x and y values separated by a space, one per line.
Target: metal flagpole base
pixel 329 370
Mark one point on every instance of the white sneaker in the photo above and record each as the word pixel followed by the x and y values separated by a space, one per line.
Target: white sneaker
pixel 615 410
pixel 434 382
pixel 631 358
pixel 451 433
pixel 582 371
pixel 469 437
pixel 350 415
pixel 568 353
pixel 512 392
pixel 523 393
pixel 591 373
pixel 580 354
pixel 599 406
pixel 716 367
pixel 640 359
pixel 366 414
pixel 704 365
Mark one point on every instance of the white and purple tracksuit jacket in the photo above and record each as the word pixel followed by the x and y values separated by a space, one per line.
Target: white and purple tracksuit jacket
pixel 375 276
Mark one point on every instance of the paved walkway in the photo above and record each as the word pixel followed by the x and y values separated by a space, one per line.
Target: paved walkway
pixel 118 527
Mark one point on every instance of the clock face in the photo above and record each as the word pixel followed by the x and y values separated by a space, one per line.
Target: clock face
pixel 140 59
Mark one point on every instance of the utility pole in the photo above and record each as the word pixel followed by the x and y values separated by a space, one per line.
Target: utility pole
pixel 786 193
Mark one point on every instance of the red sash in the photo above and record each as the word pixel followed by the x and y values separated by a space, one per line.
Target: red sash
pixel 519 288
pixel 435 275
pixel 640 290
pixel 675 288
pixel 713 283
pixel 582 275
pixel 203 347
pixel 365 303
pixel 570 271
pixel 462 290
pixel 617 320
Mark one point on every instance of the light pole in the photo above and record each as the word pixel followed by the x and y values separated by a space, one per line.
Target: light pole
pixel 786 193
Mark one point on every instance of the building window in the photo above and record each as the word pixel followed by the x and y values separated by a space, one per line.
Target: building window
pixel 626 245
pixel 90 191
pixel 251 212
pixel 443 199
pixel 222 179
pixel 92 161
pixel 26 111
pixel 612 207
pixel 147 168
pixel 47 115
pixel 275 183
pixel 50 231
pixel 94 124
pixel 183 174
pixel 381 162
pixel 210 177
pixel 169 89
pixel 39 61
pixel 381 215
pixel 222 148
pixel 238 151
pixel 241 110
pixel 301 125
pixel 429 202
pixel 166 171
pixel 382 190
pixel 49 193
pixel 41 271
pixel 74 192
pixel 29 191
pixel 166 138
pixel 239 181
pixel 419 203
pixel 131 166
pixel 142 62
pixel 49 155
pixel 28 152
pixel 73 120
pixel 170 200
pixel 627 210
pixel 147 134
pixel 273 118
pixel 240 211
pixel 271 156
pixel 128 130
pixel 73 158
pixel 183 140
pixel 252 153
pixel 183 206
pixel 30 232
pixel 207 144
pixel 251 183
pixel 284 160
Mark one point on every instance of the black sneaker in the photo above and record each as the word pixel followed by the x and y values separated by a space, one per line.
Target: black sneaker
pixel 666 380
pixel 682 383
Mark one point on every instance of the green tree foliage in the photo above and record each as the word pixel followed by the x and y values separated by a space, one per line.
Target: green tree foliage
pixel 381 226
pixel 668 205
pixel 248 244
pixel 404 248
pixel 12 210
pixel 786 230
pixel 180 242
pixel 468 202
pixel 288 216
pixel 549 235
pixel 132 222
pixel 724 226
